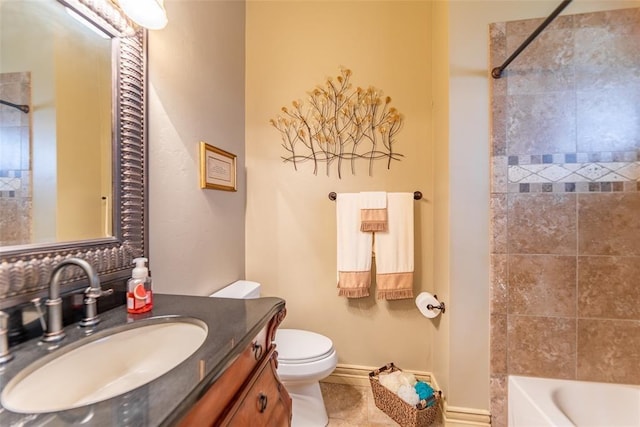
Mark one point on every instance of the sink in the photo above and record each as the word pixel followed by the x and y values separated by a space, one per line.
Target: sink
pixel 104 365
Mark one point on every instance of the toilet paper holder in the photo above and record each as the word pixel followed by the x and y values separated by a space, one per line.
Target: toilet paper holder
pixel 440 306
pixel 429 305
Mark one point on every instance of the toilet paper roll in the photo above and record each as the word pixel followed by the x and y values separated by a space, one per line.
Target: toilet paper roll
pixel 423 300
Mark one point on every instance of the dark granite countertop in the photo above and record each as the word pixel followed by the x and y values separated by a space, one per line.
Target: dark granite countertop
pixel 231 323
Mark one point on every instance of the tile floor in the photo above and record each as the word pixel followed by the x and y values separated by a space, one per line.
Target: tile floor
pixel 353 406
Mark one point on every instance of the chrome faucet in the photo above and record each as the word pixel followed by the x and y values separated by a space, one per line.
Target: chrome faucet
pixel 55 331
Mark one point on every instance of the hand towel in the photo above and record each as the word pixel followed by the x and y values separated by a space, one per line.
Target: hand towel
pixel 394 250
pixel 373 211
pixel 354 248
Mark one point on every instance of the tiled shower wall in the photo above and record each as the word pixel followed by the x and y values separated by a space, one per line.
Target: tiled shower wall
pixel 566 202
pixel 15 160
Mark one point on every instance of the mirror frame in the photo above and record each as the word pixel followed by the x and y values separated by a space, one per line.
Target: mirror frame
pixel 25 271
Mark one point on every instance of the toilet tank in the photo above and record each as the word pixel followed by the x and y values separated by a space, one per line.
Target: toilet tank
pixel 240 289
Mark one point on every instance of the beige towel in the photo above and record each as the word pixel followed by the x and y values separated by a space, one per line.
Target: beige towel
pixel 373 211
pixel 394 250
pixel 354 248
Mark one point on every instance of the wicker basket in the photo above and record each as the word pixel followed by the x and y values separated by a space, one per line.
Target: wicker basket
pixel 403 413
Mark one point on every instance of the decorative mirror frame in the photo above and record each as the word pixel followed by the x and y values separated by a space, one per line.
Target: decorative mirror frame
pixel 26 270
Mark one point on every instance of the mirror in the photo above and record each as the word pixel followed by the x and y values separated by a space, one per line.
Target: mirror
pixel 25 269
pixel 55 155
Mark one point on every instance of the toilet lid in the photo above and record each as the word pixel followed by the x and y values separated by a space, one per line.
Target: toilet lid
pixel 298 346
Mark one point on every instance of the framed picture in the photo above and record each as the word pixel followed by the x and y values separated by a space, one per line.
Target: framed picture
pixel 217 168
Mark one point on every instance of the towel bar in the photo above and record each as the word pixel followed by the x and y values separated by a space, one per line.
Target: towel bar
pixel 417 195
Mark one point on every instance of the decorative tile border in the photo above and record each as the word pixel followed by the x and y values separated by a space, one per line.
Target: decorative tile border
pixel 572 172
pixel 558 158
pixel 10 184
pixel 14 184
pixel 574 187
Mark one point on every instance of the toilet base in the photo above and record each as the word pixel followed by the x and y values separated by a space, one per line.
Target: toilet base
pixel 308 405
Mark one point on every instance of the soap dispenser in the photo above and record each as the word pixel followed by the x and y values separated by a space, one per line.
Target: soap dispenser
pixel 139 294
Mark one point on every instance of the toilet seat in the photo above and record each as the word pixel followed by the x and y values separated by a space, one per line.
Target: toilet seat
pixel 296 346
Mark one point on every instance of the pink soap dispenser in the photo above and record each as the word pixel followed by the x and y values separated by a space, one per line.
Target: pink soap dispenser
pixel 139 293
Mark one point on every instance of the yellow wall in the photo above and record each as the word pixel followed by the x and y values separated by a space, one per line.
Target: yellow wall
pixel 83 75
pixel 293 46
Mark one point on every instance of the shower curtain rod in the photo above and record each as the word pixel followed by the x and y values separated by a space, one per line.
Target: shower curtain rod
pixel 496 73
pixel 23 108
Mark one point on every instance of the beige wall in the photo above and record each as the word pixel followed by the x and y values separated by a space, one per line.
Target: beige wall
pixel 290 223
pixel 440 67
pixel 290 226
pixel 196 93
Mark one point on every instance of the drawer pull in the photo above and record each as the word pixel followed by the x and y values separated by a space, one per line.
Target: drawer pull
pixel 257 350
pixel 262 402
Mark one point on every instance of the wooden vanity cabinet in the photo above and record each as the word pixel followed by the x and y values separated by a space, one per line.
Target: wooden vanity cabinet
pixel 263 403
pixel 249 392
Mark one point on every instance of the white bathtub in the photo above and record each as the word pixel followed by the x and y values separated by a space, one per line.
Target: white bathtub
pixel 542 402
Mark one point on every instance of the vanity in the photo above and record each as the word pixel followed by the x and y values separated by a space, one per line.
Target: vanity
pixel 230 380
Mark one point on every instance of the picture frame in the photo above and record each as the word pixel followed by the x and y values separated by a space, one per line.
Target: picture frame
pixel 217 168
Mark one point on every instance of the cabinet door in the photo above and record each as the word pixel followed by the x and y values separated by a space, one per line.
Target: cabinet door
pixel 265 403
pixel 221 395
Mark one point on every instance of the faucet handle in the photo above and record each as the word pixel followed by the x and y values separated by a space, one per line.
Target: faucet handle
pixel 5 354
pixel 91 294
pixel 37 303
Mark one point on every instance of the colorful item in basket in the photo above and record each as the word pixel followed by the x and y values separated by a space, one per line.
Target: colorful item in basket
pixel 408 394
pixel 395 379
pixel 424 391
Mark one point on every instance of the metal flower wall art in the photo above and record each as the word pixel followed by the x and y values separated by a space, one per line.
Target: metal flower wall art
pixel 340 125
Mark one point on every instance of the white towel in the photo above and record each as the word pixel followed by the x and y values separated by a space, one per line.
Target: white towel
pixel 394 250
pixel 373 211
pixel 354 248
pixel 373 200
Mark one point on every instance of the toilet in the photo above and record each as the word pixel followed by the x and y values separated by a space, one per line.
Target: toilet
pixel 304 358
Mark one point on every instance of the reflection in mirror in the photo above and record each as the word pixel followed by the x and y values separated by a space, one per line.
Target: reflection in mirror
pixel 55 159
pixel 25 270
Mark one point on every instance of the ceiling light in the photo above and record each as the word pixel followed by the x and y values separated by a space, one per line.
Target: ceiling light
pixel 147 13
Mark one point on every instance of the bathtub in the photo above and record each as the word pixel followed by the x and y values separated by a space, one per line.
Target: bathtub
pixel 542 402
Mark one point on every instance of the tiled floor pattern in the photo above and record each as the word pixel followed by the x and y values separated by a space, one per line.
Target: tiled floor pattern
pixel 353 406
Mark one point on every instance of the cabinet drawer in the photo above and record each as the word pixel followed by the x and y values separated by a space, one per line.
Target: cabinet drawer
pixel 264 403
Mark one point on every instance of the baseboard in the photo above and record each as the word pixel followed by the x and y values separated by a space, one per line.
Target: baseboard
pixel 453 416
pixel 456 416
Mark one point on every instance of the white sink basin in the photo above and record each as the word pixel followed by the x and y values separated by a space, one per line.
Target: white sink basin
pixel 102 366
